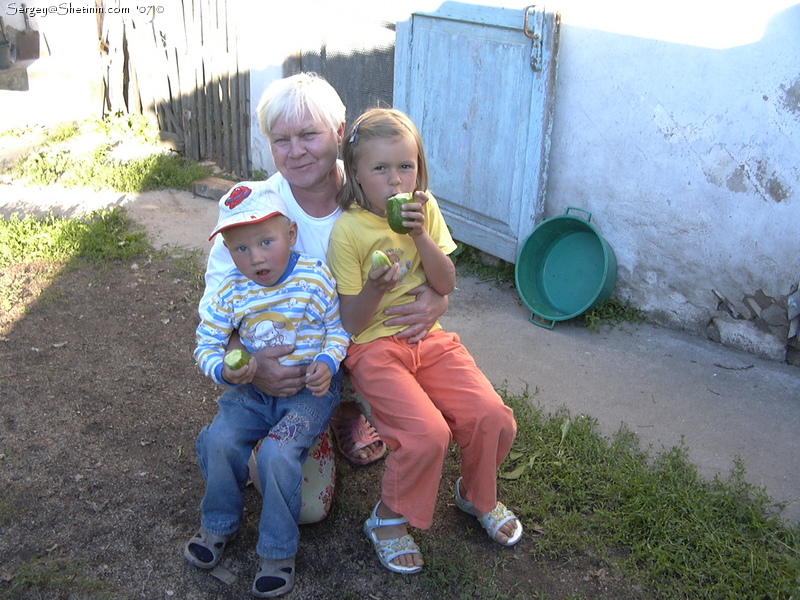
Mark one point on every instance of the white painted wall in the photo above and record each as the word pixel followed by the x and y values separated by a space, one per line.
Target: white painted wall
pixel 678 126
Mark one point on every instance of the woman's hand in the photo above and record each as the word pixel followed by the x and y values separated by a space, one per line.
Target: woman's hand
pixel 418 316
pixel 273 378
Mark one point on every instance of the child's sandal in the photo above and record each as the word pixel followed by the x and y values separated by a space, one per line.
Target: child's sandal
pixel 205 550
pixel 275 577
pixel 353 435
pixel 493 520
pixel 388 550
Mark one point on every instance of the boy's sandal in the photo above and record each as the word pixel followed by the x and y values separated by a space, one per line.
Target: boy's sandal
pixel 491 521
pixel 356 434
pixel 388 550
pixel 205 550
pixel 275 577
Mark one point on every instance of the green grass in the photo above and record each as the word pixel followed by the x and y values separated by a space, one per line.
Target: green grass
pixel 470 261
pixel 62 132
pixel 611 312
pixel 50 166
pixel 53 576
pixel 102 236
pixel 652 518
pixel 647 520
pixel 57 163
pixel 122 126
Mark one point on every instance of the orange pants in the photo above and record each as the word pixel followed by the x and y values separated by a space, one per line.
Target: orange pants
pixel 422 397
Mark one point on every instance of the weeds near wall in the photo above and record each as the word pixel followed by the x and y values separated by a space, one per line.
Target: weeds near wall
pixel 611 312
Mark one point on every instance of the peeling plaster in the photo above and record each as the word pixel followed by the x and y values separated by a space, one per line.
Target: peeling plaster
pixel 724 168
pixel 791 97
pixel 674 132
pixel 737 181
pixel 772 186
pixel 721 169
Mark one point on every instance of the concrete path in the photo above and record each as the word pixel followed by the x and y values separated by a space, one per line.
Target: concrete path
pixel 665 385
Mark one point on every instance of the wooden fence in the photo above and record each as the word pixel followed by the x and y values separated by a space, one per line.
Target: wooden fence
pixel 178 63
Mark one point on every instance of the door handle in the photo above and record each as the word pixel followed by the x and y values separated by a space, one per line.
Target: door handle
pixel 533 20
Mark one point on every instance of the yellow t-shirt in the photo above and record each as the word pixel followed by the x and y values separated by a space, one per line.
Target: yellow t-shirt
pixel 356 234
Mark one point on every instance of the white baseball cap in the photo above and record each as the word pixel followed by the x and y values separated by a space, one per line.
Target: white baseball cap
pixel 243 204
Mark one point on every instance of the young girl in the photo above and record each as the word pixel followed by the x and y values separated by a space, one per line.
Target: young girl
pixel 423 395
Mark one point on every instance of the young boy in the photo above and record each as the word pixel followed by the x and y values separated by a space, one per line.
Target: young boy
pixel 273 296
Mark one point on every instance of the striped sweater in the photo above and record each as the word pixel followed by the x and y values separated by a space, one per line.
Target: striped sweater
pixel 301 309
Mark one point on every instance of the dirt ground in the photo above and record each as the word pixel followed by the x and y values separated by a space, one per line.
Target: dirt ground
pixel 101 404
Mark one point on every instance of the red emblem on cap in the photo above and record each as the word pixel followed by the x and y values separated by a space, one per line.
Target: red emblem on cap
pixel 236 196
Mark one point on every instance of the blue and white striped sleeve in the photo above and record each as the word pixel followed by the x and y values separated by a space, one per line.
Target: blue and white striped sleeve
pixel 212 335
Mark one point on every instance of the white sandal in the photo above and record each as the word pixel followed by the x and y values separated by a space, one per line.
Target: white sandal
pixel 388 550
pixel 491 521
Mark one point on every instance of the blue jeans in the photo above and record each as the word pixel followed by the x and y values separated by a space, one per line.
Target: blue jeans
pixel 288 427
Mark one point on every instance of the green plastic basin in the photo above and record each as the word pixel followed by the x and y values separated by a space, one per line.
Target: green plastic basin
pixel 564 269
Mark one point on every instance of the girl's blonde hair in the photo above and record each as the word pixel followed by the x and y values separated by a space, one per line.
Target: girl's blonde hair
pixel 374 124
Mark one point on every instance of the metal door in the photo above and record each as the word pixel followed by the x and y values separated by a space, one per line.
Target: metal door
pixel 478 82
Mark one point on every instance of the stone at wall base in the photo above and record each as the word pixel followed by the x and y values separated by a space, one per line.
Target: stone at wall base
pixel 744 335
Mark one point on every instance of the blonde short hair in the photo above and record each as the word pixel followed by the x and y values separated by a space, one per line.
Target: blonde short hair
pixel 291 97
pixel 377 123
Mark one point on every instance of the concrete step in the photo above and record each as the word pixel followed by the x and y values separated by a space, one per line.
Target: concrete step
pixel 213 188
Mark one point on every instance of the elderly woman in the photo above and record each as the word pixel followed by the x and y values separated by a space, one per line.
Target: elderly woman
pixel 303 118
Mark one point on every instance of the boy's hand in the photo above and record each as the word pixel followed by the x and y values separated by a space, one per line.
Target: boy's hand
pixel 318 378
pixel 240 376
